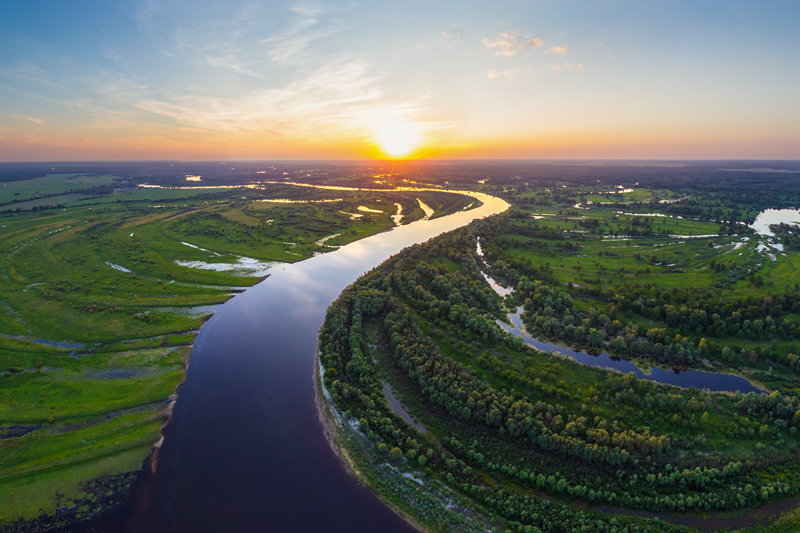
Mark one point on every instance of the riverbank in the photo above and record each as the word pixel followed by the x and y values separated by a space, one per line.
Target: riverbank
pixel 337 435
pixel 421 500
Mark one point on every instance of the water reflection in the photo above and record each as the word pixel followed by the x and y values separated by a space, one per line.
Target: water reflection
pixel 245 449
pixel 685 378
pixel 768 217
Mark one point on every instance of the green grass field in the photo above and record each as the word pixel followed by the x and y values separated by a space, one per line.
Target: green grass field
pixel 96 300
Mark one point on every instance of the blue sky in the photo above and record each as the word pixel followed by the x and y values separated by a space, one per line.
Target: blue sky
pixel 541 79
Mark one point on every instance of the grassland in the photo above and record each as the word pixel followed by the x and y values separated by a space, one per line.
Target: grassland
pixel 599 251
pixel 102 296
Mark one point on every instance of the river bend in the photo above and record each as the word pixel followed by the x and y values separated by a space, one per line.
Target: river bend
pixel 245 449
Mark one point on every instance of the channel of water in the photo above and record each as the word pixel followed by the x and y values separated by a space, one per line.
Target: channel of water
pixel 698 379
pixel 715 382
pixel 245 449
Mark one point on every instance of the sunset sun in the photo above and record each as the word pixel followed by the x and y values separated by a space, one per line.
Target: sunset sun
pixel 398 140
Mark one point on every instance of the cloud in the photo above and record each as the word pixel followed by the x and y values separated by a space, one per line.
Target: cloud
pixel 566 66
pixel 511 42
pixel 251 76
pixel 452 30
pixel 558 50
pixel 341 98
pixel 111 53
pixel 500 73
pixel 32 119
pixel 292 45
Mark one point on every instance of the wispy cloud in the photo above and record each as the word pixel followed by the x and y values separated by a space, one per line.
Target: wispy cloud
pixel 31 119
pixel 111 53
pixel 24 70
pixel 250 72
pixel 222 42
pixel 342 97
pixel 562 49
pixel 292 45
pixel 505 73
pixel 452 30
pixel 566 66
pixel 511 42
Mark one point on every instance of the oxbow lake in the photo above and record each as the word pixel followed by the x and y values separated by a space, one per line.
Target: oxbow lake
pixel 715 382
pixel 681 378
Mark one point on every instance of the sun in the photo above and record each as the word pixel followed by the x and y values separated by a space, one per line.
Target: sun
pixel 398 140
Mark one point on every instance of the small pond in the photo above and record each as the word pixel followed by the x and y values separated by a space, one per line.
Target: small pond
pixel 769 217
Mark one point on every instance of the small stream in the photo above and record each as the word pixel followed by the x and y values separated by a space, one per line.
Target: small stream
pixel 698 379
pixel 684 378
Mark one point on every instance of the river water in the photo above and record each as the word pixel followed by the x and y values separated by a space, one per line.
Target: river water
pixel 245 449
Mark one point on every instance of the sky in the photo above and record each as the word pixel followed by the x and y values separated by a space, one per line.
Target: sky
pixel 539 79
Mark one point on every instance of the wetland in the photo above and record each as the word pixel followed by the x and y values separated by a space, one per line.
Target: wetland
pixel 451 417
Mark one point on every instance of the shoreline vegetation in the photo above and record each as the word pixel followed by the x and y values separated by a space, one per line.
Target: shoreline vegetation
pixel 353 451
pixel 102 299
pixel 335 434
pixel 534 442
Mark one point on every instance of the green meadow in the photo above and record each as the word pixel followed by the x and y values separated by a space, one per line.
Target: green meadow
pixel 102 294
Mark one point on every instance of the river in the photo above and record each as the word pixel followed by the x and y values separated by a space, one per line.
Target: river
pixel 245 449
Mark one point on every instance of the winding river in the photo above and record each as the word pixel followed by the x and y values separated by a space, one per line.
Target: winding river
pixel 245 449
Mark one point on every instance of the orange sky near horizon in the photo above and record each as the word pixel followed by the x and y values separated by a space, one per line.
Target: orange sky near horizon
pixel 563 146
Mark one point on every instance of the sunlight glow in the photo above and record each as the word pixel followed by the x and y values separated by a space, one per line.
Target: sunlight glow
pixel 398 140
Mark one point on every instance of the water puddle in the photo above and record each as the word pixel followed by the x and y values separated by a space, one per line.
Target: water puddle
pixel 287 201
pixel 321 242
pixel 120 268
pixel 193 312
pixel 425 207
pixel 197 248
pixel 397 408
pixel 499 289
pixel 397 217
pixel 245 266
pixel 63 345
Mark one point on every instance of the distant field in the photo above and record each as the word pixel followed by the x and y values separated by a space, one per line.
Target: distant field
pixel 49 185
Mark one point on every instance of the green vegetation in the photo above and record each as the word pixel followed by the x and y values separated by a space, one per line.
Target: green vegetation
pixel 511 429
pixel 102 296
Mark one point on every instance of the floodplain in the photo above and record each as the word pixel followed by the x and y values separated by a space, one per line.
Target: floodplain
pixel 105 285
